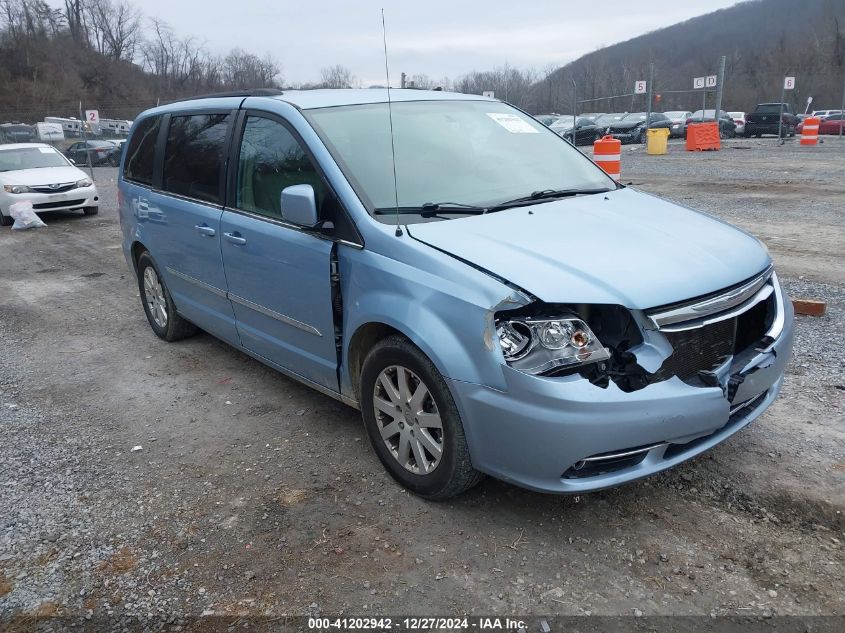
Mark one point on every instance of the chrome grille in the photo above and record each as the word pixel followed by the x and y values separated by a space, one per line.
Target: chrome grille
pixel 57 188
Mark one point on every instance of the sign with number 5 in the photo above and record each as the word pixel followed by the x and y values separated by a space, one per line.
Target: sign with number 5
pixel 92 116
pixel 640 87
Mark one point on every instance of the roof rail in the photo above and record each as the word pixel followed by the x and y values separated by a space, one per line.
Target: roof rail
pixel 249 92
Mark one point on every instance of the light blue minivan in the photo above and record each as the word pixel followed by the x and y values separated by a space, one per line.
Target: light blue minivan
pixel 489 298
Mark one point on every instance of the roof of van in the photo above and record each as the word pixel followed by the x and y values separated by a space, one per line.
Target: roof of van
pixel 306 99
pixel 326 98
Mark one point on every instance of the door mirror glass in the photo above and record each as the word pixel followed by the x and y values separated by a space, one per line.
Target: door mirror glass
pixel 299 205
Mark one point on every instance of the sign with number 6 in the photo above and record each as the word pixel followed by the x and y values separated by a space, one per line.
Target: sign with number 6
pixel 788 83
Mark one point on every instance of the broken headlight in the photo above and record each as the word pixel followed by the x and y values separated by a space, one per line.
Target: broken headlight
pixel 535 345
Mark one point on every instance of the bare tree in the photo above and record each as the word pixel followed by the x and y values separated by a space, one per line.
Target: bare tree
pixel 245 70
pixel 115 27
pixel 336 76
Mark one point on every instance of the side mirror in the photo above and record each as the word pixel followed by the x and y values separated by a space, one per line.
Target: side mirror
pixel 299 205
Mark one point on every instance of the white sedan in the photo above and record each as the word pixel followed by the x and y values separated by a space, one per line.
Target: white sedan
pixel 37 173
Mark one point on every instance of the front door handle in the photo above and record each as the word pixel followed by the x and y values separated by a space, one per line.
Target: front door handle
pixel 204 229
pixel 234 238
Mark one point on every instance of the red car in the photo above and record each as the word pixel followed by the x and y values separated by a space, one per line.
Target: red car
pixel 831 124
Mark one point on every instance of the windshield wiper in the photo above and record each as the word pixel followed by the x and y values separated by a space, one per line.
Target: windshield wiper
pixel 545 194
pixel 432 208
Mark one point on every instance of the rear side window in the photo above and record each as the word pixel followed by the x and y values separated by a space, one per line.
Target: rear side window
pixel 193 157
pixel 140 152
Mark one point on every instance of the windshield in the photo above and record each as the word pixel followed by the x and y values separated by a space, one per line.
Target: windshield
pixel 563 123
pixel 608 119
pixel 634 116
pixel 477 153
pixel 30 158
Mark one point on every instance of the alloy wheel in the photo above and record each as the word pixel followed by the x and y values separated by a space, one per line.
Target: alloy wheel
pixel 154 296
pixel 408 419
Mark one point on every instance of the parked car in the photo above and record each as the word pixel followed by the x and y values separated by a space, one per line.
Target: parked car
pixel 101 153
pixel 17 133
pixel 37 173
pixel 830 124
pixel 825 113
pixel 727 127
pixel 679 122
pixel 632 128
pixel 502 306
pixel 766 117
pixel 739 120
pixel 583 132
pixel 547 119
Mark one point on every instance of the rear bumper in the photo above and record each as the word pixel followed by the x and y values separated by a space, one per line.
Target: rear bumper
pixel 763 128
pixel 538 431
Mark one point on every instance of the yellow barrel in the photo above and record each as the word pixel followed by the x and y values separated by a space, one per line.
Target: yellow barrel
pixel 657 141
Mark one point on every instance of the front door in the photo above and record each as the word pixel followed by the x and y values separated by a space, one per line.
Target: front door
pixel 278 274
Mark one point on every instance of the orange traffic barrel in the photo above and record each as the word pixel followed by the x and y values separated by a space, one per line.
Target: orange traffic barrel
pixel 607 154
pixel 810 130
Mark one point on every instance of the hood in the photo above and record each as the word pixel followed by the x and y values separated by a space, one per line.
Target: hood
pixel 42 176
pixel 623 247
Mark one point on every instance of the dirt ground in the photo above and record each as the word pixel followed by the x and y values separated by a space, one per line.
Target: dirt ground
pixel 254 495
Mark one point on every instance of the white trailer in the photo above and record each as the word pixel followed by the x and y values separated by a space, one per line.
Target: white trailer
pixel 72 127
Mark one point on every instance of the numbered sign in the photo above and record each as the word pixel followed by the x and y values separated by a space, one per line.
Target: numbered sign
pixel 788 83
pixel 710 81
pixel 698 83
pixel 92 116
pixel 640 87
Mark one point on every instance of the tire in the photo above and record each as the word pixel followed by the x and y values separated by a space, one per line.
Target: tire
pixel 449 475
pixel 90 210
pixel 114 161
pixel 6 220
pixel 168 326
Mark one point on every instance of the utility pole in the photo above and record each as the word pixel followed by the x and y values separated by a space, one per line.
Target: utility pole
pixel 780 114
pixel 842 113
pixel 574 99
pixel 721 81
pixel 82 124
pixel 650 93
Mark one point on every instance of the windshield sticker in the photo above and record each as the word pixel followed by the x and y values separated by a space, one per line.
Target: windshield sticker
pixel 512 123
pixel 45 150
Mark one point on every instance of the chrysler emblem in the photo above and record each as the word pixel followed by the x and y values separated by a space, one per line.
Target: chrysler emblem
pixel 55 186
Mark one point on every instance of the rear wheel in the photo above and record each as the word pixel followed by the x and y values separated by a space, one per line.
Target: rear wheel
pixel 158 304
pixel 413 423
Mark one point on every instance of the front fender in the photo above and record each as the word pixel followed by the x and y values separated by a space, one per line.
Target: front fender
pixel 444 307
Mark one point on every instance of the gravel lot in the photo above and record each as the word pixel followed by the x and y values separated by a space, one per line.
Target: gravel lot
pixel 253 495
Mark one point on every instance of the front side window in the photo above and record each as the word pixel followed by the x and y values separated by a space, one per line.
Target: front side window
pixel 271 159
pixel 193 156
pixel 463 152
pixel 140 153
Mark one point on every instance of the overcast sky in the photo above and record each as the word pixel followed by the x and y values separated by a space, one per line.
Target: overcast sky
pixel 439 38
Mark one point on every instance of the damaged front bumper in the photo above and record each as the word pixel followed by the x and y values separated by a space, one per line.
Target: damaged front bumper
pixel 567 435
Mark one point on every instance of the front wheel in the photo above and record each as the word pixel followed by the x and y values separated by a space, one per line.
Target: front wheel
pixel 158 304
pixel 412 421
